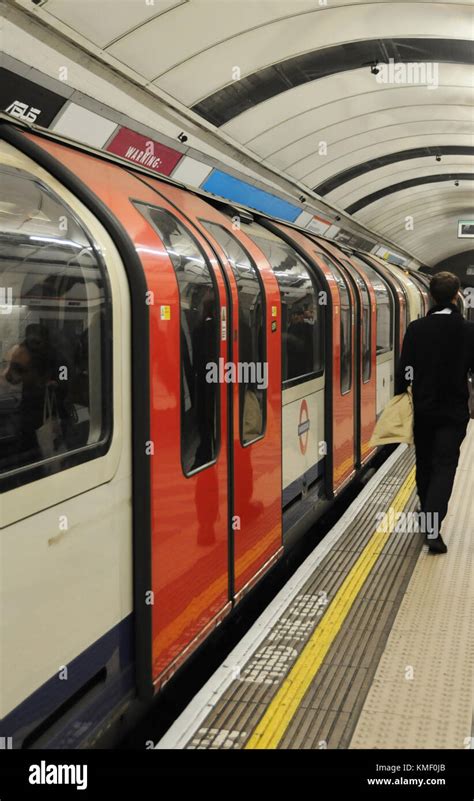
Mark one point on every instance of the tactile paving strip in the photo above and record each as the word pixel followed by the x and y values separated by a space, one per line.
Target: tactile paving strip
pixel 422 694
pixel 326 717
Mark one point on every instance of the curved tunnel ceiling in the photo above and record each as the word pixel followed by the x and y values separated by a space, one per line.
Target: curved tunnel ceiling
pixel 290 80
pixel 390 158
pixel 233 99
pixel 389 190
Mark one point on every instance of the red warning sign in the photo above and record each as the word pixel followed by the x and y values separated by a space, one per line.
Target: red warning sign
pixel 144 151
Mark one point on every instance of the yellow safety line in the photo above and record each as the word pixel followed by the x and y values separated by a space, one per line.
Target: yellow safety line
pixel 275 721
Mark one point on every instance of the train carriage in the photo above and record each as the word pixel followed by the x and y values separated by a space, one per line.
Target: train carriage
pixel 185 387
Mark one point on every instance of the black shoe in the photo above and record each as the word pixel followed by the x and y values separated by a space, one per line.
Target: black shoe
pixel 436 544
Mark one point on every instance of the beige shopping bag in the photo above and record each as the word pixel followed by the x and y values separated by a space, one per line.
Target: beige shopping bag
pixel 395 424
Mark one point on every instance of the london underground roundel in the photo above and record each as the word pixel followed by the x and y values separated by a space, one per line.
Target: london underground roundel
pixel 303 426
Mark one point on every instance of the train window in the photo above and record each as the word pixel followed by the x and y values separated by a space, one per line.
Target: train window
pixel 346 339
pixel 405 318
pixel 414 291
pixel 346 324
pixel 55 404
pixel 383 297
pixel 302 316
pixel 425 304
pixel 252 387
pixel 366 346
pixel 404 323
pixel 199 315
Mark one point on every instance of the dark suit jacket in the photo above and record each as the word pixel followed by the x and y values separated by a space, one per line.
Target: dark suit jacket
pixel 440 349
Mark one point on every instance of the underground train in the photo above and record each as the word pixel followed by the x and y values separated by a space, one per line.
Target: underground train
pixel 185 386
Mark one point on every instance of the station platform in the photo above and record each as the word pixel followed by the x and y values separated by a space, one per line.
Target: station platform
pixel 368 646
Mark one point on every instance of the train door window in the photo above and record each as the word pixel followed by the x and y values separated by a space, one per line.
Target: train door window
pixel 302 316
pixel 366 331
pixel 199 317
pixel 252 361
pixel 345 323
pixel 55 335
pixel 365 324
pixel 423 293
pixel 406 318
pixel 383 297
pixel 346 339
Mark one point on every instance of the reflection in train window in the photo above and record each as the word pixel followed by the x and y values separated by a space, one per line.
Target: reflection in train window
pixel 346 338
pixel 302 316
pixel 252 386
pixel 199 338
pixel 366 344
pixel 366 331
pixel 405 319
pixel 54 334
pixel 383 297
pixel 345 323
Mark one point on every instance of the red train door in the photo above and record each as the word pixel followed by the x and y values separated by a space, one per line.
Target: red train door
pixel 257 484
pixel 189 429
pixel 365 351
pixel 344 377
pixel 340 362
pixel 253 323
pixel 366 339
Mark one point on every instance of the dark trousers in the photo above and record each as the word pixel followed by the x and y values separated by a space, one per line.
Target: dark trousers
pixel 437 449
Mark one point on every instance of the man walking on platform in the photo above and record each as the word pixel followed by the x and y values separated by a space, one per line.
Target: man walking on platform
pixel 437 353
